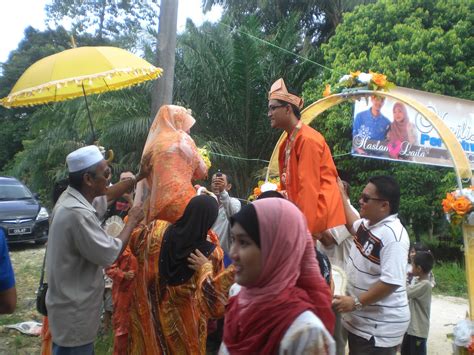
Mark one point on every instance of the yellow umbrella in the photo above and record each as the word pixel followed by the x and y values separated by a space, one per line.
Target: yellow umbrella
pixel 79 72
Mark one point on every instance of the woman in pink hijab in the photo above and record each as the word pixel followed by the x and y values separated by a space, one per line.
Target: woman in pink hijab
pixel 401 131
pixel 284 304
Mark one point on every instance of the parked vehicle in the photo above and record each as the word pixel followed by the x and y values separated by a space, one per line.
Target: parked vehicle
pixel 21 215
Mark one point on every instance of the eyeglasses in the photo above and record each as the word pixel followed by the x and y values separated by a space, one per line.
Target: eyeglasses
pixel 274 107
pixel 365 198
pixel 106 174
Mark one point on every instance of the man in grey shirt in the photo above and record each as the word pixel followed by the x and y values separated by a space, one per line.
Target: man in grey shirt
pixel 78 249
pixel 220 186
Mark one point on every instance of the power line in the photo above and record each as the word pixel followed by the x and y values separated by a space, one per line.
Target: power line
pixel 262 160
pixel 240 158
pixel 278 47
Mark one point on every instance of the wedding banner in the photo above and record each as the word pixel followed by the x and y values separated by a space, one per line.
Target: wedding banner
pixel 401 133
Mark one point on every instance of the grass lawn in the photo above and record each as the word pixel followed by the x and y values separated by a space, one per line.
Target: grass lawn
pixel 450 279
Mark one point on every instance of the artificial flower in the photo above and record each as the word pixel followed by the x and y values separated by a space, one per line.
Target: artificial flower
pixel 458 206
pixel 327 90
pixel 263 186
pixel 379 79
pixel 448 203
pixel 462 205
pixel 357 79
pixel 204 153
pixel 364 78
pixel 344 78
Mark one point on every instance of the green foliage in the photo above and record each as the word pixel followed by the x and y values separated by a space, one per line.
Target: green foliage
pixel 317 18
pixel 104 344
pixel 224 77
pixel 60 128
pixel 450 279
pixel 124 22
pixel 15 122
pixel 406 40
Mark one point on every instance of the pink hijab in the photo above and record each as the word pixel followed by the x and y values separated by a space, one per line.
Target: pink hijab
pixel 290 283
pixel 288 238
pixel 282 229
pixel 399 130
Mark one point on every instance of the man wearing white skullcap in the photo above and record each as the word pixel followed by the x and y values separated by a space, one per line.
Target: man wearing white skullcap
pixel 79 249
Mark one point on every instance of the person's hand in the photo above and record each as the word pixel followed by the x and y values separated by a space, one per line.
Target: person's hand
pixel 129 198
pixel 128 275
pixel 218 184
pixel 136 214
pixel 145 167
pixel 196 260
pixel 342 190
pixel 343 304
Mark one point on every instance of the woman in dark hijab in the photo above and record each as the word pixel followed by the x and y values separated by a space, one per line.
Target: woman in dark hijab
pixel 186 236
pixel 181 282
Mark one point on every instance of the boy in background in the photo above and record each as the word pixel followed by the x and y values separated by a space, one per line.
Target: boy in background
pixel 419 299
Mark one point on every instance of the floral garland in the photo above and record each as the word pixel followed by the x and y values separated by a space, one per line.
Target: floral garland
pixel 263 186
pixel 459 205
pixel 204 153
pixel 359 80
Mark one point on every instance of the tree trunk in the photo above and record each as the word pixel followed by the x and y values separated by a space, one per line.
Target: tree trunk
pixel 101 20
pixel 162 93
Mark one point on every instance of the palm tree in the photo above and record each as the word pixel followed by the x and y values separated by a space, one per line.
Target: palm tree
pixel 224 77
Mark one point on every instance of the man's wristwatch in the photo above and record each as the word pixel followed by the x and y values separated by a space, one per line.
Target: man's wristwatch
pixel 357 304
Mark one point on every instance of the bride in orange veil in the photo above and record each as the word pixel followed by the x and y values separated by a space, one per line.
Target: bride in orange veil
pixel 173 318
pixel 176 162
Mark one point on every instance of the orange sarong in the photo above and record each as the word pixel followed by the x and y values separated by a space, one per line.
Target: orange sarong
pixel 174 320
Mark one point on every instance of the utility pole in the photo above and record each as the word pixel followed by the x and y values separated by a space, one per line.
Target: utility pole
pixel 162 93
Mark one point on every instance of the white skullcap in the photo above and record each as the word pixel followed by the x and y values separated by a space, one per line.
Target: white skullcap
pixel 83 158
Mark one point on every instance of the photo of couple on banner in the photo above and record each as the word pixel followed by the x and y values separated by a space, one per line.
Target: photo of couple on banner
pixel 384 128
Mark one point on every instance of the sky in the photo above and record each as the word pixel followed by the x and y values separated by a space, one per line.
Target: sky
pixel 16 15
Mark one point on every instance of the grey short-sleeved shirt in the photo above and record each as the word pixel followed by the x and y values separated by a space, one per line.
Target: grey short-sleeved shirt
pixel 78 249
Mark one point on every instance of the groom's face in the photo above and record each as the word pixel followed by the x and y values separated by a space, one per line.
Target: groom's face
pixel 278 113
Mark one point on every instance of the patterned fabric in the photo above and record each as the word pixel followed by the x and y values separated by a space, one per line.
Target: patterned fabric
pixel 278 91
pixel 379 253
pixel 173 320
pixel 175 162
pixel 306 335
pixel 122 292
pixel 46 341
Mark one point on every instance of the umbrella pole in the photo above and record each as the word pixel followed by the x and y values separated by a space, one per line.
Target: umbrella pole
pixel 88 113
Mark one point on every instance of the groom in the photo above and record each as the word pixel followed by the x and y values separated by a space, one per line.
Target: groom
pixel 307 171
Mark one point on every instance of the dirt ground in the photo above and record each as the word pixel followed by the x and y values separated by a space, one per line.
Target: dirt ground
pixel 27 261
pixel 446 311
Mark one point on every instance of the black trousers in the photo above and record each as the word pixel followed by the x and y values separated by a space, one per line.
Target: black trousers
pixel 361 346
pixel 413 345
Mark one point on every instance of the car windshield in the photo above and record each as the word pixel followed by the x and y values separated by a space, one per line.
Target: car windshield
pixel 14 192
